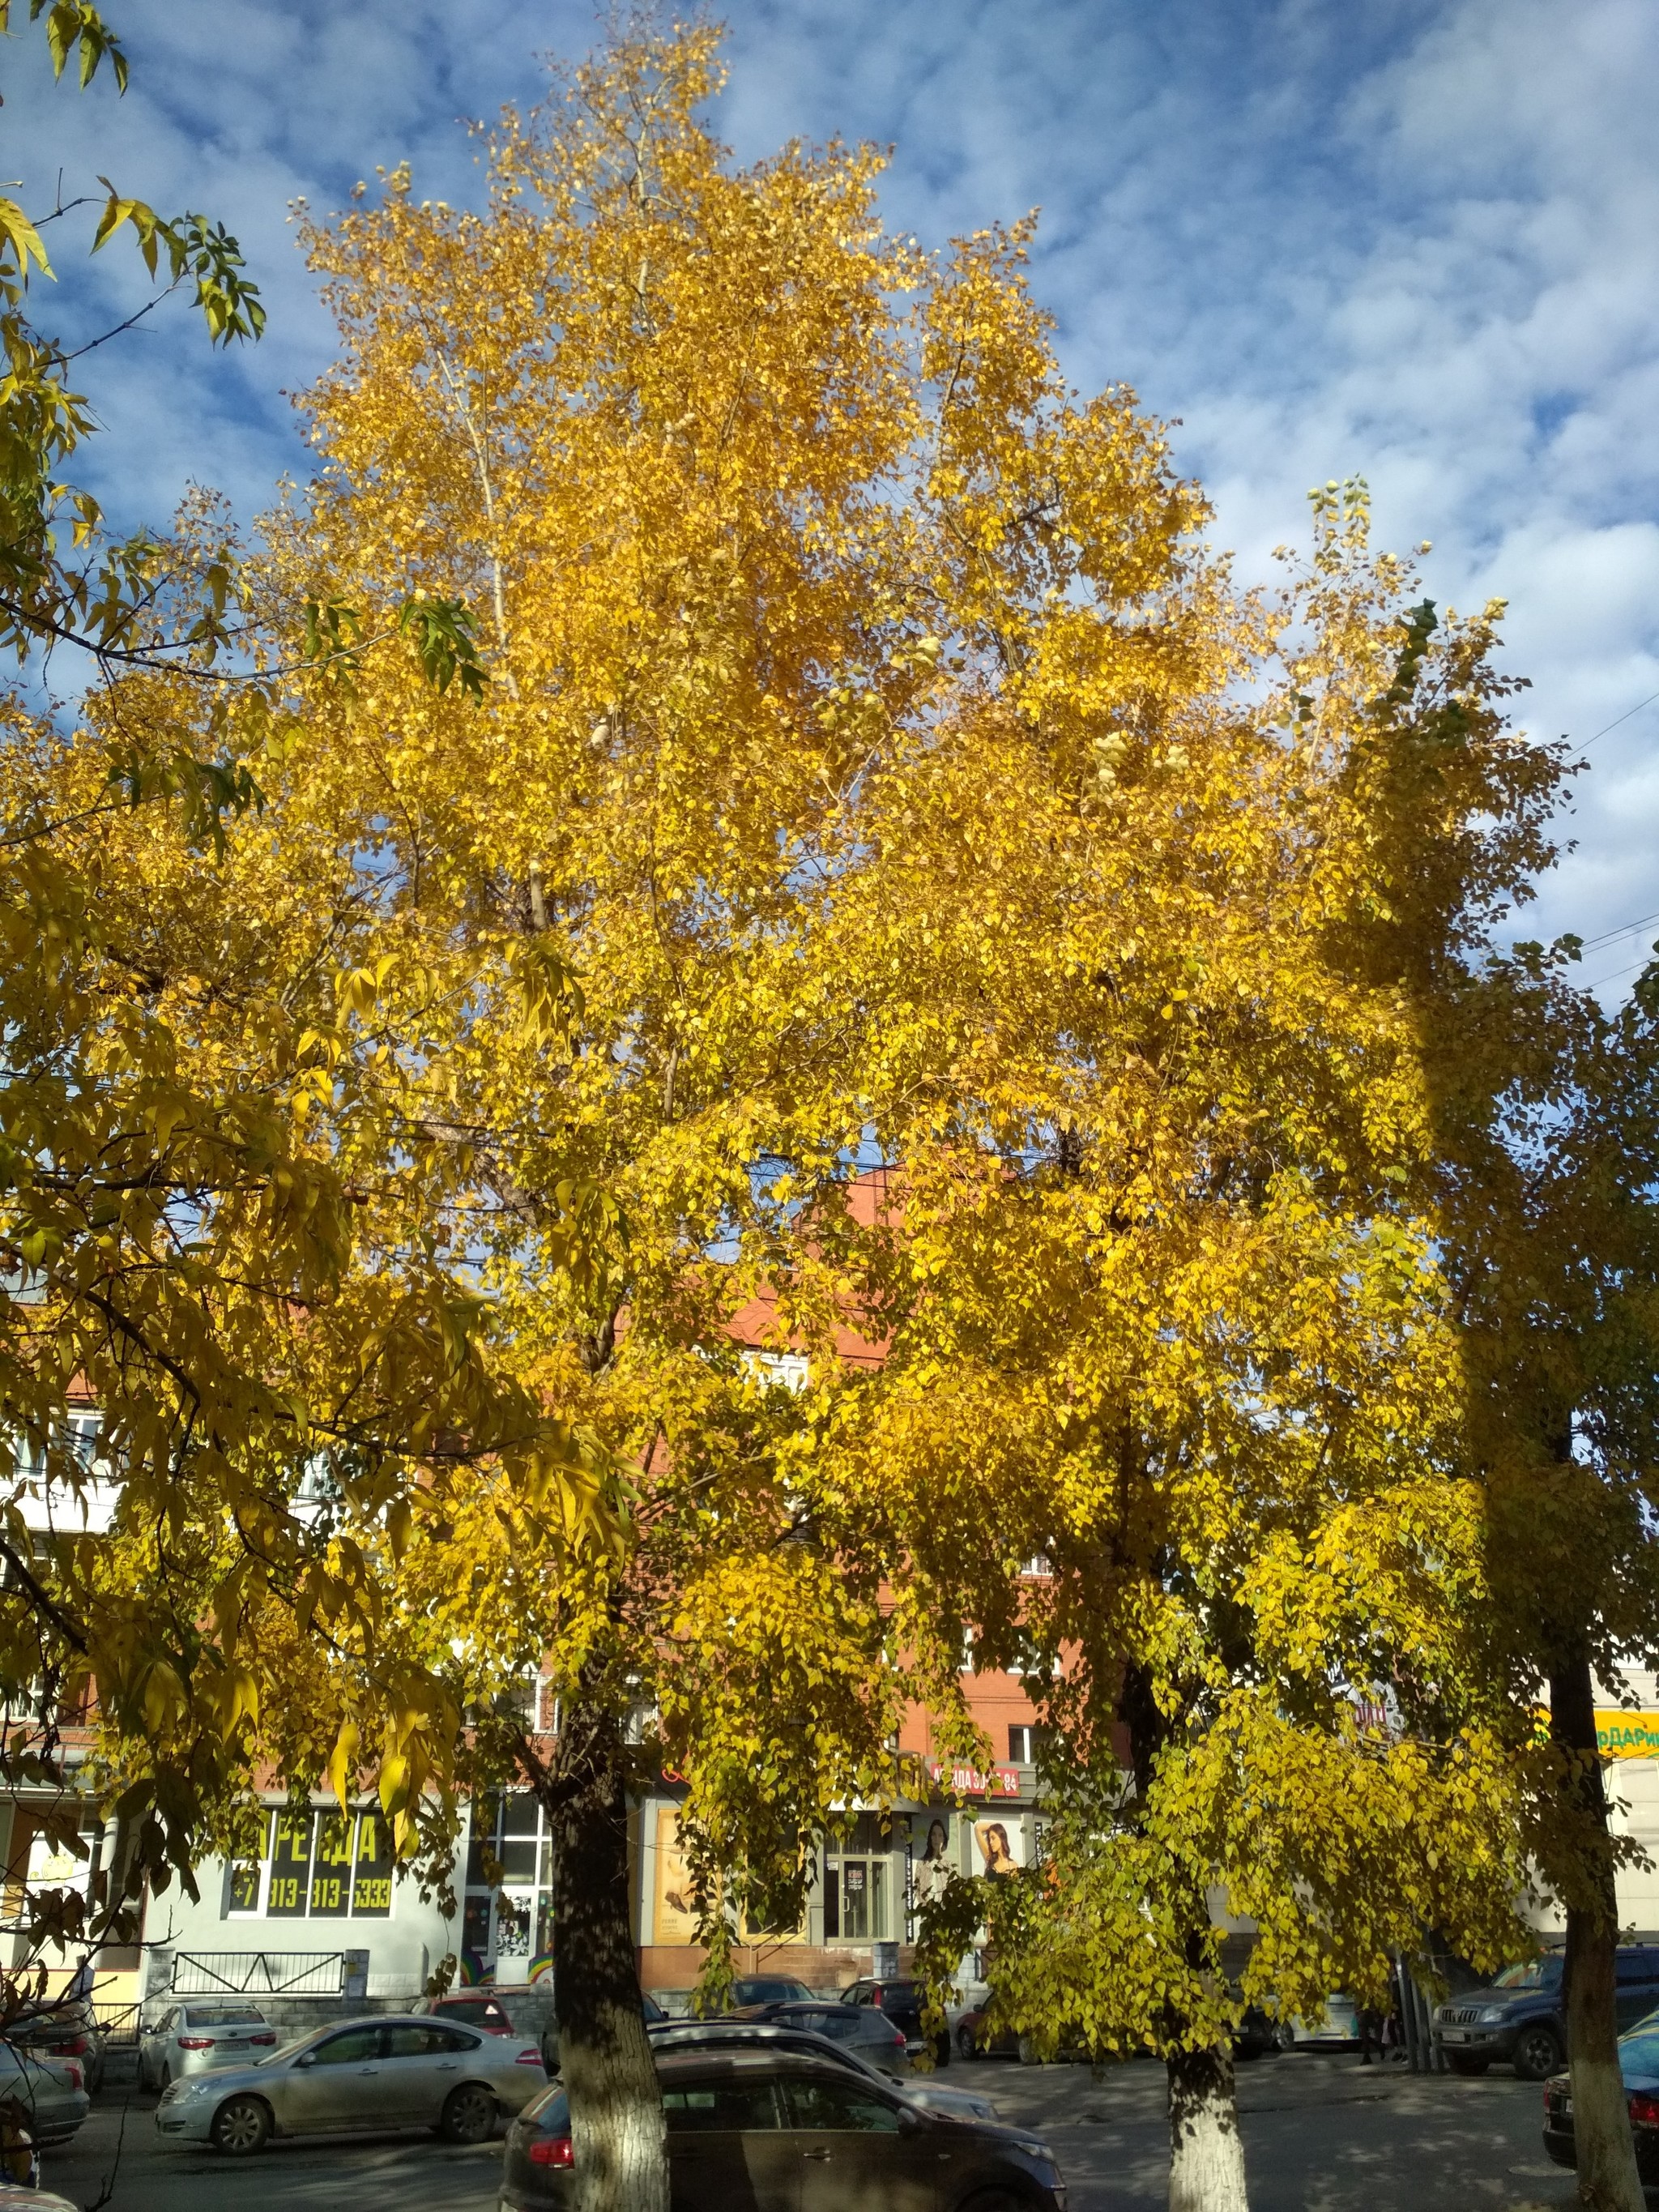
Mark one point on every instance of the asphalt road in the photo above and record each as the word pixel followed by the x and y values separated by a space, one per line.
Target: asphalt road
pixel 1321 2133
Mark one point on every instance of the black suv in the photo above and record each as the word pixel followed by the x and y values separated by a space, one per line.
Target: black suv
pixel 902 2003
pixel 1520 2018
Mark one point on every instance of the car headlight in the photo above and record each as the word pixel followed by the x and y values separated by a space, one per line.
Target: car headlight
pixel 1490 2013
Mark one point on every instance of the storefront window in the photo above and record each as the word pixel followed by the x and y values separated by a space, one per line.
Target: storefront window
pixel 510 1917
pixel 328 1865
pixel 290 1868
pixel 371 1879
pixel 859 1883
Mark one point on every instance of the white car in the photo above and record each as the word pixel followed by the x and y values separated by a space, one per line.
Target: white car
pixel 200 2034
pixel 390 2072
pixel 1340 2026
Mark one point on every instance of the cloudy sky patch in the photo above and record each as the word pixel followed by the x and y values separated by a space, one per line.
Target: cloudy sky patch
pixel 1416 241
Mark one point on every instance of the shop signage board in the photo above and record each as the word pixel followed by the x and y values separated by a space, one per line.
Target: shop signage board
pixel 969 1782
pixel 1620 1734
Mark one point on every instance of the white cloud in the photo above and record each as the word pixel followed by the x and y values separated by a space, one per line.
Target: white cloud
pixel 1419 240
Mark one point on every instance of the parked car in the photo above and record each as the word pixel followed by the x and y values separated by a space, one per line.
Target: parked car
pixel 1638 2066
pixel 50 2090
pixel 1519 2018
pixel 974 2041
pixel 478 2009
pixel 781 2132
pixel 196 2036
pixel 1339 2028
pixel 902 2003
pixel 785 2027
pixel 766 1988
pixel 1258 2034
pixel 407 2071
pixel 651 2010
pixel 20 2199
pixel 875 2037
pixel 64 2029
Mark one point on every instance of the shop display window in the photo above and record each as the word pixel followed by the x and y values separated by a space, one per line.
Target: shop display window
pixel 319 1865
pixel 509 1908
pixel 859 1881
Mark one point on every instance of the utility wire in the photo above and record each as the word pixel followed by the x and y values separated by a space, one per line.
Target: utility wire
pixel 1623 929
pixel 1613 974
pixel 1625 717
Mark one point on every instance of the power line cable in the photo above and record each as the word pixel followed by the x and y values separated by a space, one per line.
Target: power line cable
pixel 1613 974
pixel 1623 929
pixel 1625 717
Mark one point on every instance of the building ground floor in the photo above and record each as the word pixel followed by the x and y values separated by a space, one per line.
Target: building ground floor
pixel 321 1888
pixel 318 1905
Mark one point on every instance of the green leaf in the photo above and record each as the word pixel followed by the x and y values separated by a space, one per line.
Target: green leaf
pixel 442 632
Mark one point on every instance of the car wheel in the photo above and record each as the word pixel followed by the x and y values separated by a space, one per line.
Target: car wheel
pixel 1537 2054
pixel 965 2043
pixel 994 2200
pixel 942 2049
pixel 240 2125
pixel 469 2115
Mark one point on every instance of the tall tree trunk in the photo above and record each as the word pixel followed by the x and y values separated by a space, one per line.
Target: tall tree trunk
pixel 1608 2179
pixel 1206 2156
pixel 605 2056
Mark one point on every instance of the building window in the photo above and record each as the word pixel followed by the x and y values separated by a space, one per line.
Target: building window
pixel 315 1865
pixel 1023 1740
pixel 512 1916
pixel 858 1884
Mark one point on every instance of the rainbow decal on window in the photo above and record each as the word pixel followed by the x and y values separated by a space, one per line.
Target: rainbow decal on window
pixel 541 1966
pixel 475 1970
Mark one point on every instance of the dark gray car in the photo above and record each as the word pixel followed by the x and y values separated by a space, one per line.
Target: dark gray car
pixel 777 2132
pixel 1520 2020
pixel 875 2037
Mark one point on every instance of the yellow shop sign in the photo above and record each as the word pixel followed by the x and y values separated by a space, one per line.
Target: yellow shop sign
pixel 1620 1734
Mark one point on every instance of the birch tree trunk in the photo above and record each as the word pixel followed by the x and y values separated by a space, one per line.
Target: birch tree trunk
pixel 604 2055
pixel 1206 2156
pixel 1608 2179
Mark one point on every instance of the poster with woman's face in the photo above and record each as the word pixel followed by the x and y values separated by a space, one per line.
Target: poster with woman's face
pixel 1001 1847
pixel 933 1865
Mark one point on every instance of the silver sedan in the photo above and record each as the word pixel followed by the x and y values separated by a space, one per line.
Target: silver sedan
pixel 54 2103
pixel 361 2074
pixel 199 2035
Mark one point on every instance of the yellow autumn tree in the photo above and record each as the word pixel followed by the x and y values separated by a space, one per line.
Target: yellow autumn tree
pixel 207 1230
pixel 865 747
pixel 754 496
pixel 1168 1296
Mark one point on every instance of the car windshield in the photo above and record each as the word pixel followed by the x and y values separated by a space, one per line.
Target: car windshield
pixel 1536 1974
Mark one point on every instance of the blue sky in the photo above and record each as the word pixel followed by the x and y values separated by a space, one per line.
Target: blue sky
pixel 1417 240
